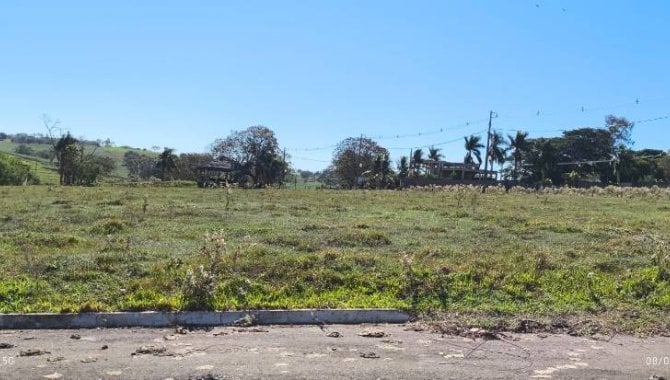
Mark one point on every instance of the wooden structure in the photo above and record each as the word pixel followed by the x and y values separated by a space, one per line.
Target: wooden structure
pixel 215 173
pixel 444 169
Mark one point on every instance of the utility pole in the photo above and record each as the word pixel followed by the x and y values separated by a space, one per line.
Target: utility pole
pixel 488 142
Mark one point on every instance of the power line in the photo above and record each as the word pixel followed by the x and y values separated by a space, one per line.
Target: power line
pixel 653 119
pixel 397 136
pixel 451 141
pixel 435 144
pixel 538 114
pixel 432 132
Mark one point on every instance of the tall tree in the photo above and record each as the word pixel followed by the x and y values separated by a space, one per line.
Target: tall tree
pixel 74 166
pixel 67 154
pixel 167 162
pixel 403 167
pixel 382 169
pixel 417 161
pixel 256 151
pixel 518 145
pixel 353 156
pixel 542 157
pixel 620 130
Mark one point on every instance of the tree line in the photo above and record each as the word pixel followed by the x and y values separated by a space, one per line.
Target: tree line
pixel 595 155
pixel 583 155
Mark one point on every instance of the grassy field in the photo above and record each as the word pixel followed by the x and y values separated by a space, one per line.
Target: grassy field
pixel 492 257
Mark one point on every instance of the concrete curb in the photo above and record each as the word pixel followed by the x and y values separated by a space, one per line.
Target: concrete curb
pixel 201 318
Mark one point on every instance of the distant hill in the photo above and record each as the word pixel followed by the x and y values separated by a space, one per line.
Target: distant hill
pixel 37 153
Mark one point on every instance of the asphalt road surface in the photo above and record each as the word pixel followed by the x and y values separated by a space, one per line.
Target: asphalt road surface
pixel 331 352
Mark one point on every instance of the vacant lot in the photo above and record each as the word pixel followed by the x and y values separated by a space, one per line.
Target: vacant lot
pixel 488 257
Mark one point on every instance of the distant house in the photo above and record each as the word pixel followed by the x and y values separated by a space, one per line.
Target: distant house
pixel 216 172
pixel 456 170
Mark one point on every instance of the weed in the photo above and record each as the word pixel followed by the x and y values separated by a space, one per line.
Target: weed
pixel 109 226
pixel 229 193
pixel 198 289
pixel 200 283
pixel 460 195
pixel 474 199
pixel 542 262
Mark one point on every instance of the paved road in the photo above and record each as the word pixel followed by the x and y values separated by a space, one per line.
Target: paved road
pixel 308 352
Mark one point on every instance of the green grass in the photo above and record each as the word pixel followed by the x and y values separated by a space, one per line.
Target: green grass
pixel 497 254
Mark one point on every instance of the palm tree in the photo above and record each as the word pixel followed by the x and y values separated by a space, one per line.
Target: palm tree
pixel 518 145
pixel 497 152
pixel 434 154
pixel 472 148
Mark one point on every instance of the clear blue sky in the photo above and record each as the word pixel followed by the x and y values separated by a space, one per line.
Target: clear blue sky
pixel 183 73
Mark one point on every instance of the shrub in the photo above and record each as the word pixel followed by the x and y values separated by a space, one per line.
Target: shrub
pixel 15 172
pixel 200 285
pixel 198 289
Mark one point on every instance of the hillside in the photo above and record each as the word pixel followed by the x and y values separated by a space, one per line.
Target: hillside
pixel 43 169
pixel 46 170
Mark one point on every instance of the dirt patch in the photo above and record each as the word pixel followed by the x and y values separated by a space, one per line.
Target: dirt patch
pixel 491 327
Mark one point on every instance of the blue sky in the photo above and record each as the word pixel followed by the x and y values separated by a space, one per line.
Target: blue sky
pixel 183 73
